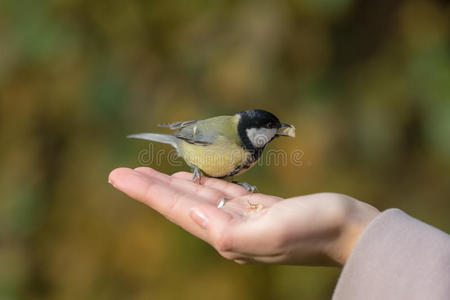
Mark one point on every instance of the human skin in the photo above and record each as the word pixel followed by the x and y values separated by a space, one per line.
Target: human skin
pixel 317 229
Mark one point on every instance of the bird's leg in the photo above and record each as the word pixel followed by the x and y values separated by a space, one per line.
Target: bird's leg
pixel 247 186
pixel 196 173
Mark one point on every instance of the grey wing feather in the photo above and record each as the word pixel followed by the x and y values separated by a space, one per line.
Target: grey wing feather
pixel 193 132
pixel 195 135
pixel 157 137
pixel 178 125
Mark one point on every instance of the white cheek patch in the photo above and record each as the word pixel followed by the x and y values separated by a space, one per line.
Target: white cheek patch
pixel 259 137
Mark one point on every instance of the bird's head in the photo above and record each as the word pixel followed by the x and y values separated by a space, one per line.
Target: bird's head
pixel 258 127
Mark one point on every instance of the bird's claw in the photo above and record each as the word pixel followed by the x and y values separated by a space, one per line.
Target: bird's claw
pixel 247 186
pixel 196 173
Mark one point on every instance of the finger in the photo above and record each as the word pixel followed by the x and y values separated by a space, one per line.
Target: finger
pixel 173 204
pixel 141 188
pixel 257 232
pixel 208 194
pixel 254 239
pixel 233 240
pixel 152 172
pixel 215 223
pixel 228 188
pixel 248 242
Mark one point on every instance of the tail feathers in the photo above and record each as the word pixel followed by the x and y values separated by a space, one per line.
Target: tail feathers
pixel 156 137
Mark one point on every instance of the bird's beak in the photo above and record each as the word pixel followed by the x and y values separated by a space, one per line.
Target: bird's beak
pixel 286 130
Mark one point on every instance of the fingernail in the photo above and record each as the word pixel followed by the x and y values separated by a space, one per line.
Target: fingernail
pixel 198 217
pixel 110 182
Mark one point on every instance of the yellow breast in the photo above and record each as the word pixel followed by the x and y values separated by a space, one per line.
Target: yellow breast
pixel 216 160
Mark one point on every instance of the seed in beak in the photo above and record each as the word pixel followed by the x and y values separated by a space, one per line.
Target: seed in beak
pixel 286 130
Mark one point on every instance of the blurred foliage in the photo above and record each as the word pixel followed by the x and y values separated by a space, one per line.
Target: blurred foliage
pixel 367 84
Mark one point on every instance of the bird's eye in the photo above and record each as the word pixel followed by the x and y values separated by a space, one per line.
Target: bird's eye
pixel 269 125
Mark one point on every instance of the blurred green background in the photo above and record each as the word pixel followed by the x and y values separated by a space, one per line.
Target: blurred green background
pixel 366 83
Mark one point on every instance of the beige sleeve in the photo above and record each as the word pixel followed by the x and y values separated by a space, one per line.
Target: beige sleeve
pixel 397 257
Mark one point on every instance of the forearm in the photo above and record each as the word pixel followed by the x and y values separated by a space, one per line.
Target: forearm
pixel 397 257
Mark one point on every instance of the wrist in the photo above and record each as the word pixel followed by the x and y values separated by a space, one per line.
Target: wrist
pixel 354 220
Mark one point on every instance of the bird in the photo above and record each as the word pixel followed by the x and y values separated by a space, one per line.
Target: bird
pixel 222 146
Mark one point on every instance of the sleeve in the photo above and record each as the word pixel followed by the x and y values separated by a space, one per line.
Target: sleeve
pixel 397 257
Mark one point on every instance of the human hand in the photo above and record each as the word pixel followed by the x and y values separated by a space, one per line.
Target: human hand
pixel 318 229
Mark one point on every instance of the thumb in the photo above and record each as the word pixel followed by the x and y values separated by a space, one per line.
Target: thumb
pixel 211 219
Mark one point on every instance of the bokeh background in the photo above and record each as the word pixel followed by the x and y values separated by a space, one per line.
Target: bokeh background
pixel 366 83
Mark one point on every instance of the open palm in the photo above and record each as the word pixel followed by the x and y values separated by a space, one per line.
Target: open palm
pixel 249 227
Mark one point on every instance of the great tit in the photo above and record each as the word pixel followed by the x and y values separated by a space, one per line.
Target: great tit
pixel 223 146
